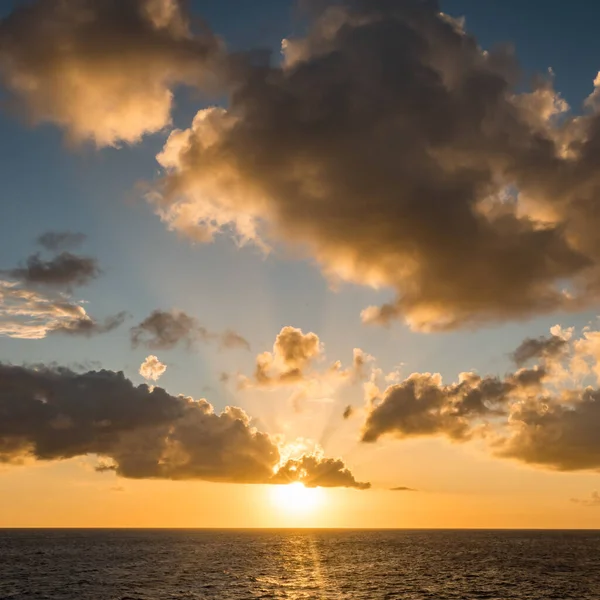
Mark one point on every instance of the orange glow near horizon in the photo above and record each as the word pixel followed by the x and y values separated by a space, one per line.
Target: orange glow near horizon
pixel 296 499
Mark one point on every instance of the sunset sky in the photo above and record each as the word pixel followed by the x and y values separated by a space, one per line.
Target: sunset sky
pixel 349 244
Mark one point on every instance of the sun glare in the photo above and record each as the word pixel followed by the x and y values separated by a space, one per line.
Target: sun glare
pixel 296 498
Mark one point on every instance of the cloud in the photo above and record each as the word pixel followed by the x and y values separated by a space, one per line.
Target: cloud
pixel 230 339
pixel 56 414
pixel 298 362
pixel 57 241
pixel 546 416
pixel 586 354
pixel 293 351
pixel 403 489
pixel 363 364
pixel 164 330
pixel 33 314
pixel 65 270
pixel 88 327
pixel 314 471
pixel 104 71
pixel 557 432
pixel 141 432
pixel 37 299
pixel 593 500
pixel 387 145
pixel 398 153
pixel 422 406
pixel 152 368
pixel 557 429
pixel 542 347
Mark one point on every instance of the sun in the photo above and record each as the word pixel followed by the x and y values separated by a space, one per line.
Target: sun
pixel 295 498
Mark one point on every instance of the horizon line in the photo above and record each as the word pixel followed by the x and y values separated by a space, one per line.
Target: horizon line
pixel 297 528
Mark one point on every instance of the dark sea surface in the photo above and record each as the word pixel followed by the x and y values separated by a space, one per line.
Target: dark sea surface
pixel 320 564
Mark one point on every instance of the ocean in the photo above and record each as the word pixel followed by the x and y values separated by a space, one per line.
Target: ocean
pixel 294 564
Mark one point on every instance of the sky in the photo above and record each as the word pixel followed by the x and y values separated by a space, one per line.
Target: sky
pixel 251 245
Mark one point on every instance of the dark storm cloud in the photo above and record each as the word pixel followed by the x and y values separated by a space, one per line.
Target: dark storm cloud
pixel 393 148
pixel 163 330
pixel 55 413
pixel 65 270
pixel 542 347
pixel 57 241
pixel 105 70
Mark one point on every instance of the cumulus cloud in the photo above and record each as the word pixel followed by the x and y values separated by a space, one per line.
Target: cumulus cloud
pixel 141 432
pixel 547 415
pixel 315 471
pixel 422 405
pixel 293 351
pixel 105 71
pixel 586 354
pixel 387 144
pixel 399 153
pixel 299 364
pixel 152 368
pixel 164 330
pixel 298 361
pixel 557 432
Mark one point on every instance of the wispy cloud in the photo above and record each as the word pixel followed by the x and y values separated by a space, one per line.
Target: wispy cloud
pixel 593 500
pixel 37 299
